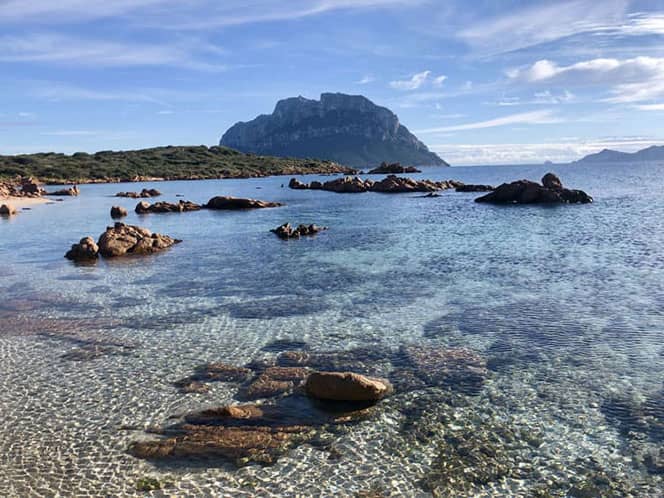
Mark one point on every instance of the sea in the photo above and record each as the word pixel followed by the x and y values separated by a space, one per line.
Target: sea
pixel 563 304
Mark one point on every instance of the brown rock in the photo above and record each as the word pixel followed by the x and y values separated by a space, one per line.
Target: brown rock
pixel 528 192
pixel 552 181
pixel 121 240
pixel 145 193
pixel 222 372
pixel 394 168
pixel 7 210
pixel 346 386
pixel 85 250
pixel 474 188
pixel 221 202
pixel 31 187
pixel 118 212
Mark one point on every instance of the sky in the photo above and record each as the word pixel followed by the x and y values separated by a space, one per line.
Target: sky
pixel 479 82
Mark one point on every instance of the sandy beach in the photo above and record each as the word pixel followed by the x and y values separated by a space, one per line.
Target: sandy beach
pixel 23 202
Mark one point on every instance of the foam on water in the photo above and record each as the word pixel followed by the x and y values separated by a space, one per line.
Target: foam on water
pixel 565 303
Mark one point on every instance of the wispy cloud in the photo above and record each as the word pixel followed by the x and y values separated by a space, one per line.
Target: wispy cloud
pixel 543 23
pixel 365 80
pixel 630 80
pixel 534 117
pixel 62 49
pixel 56 91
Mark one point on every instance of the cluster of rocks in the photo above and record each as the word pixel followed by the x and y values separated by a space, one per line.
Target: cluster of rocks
pixel 145 193
pixel 144 207
pixel 286 231
pixel 551 191
pixel 120 240
pixel 392 184
pixel 392 169
pixel 24 187
pixel 298 396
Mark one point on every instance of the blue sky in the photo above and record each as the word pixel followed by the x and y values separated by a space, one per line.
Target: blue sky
pixel 479 82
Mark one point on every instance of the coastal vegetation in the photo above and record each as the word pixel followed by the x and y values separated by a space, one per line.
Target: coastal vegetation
pixel 162 163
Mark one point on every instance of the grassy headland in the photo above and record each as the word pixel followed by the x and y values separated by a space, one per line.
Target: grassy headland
pixel 164 163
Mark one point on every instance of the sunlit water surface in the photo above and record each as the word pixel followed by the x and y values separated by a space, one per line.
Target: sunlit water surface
pixel 565 303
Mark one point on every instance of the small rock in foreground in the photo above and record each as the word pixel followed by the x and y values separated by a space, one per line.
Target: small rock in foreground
pixel 118 212
pixel 7 210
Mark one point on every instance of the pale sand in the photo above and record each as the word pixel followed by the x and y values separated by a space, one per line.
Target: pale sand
pixel 21 202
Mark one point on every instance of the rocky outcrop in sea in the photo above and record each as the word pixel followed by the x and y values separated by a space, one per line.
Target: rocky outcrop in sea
pixel 392 184
pixel 551 191
pixel 348 129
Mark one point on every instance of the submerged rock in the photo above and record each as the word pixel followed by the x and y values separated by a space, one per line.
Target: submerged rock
pixel 85 250
pixel 346 386
pixel 144 207
pixel 394 168
pixel 244 433
pixel 232 203
pixel 152 192
pixel 122 240
pixel 274 381
pixel 286 231
pixel 528 192
pixel 118 212
pixel 457 368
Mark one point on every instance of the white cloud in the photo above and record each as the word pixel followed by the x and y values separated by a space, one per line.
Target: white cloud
pixel 55 91
pixel 418 81
pixel 365 80
pixel 630 80
pixel 566 150
pixel 413 83
pixel 438 81
pixel 650 107
pixel 534 117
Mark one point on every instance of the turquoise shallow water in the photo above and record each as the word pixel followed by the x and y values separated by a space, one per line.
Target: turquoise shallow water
pixel 565 303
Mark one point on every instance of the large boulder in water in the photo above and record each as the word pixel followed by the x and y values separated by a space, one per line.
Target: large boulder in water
pixel 122 240
pixel 392 169
pixel 347 185
pixel 529 192
pixel 346 386
pixel 118 212
pixel 234 203
pixel 85 250
pixel 396 185
pixel 70 192
pixel 145 193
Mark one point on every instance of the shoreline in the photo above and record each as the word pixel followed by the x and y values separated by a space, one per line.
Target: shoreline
pixel 22 202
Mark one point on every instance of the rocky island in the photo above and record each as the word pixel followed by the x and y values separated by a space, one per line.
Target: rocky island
pixel 348 129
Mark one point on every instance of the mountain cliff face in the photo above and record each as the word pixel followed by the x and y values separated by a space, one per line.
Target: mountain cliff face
pixel 348 129
pixel 653 153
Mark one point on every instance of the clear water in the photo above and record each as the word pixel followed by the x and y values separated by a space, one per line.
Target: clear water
pixel 565 303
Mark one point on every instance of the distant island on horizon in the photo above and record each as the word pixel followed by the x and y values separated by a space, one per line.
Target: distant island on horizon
pixel 348 129
pixel 652 153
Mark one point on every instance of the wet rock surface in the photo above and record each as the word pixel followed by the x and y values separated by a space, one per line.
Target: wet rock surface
pixel 145 193
pixel 286 231
pixel 237 203
pixel 528 192
pixel 144 207
pixel 124 240
pixel 85 250
pixel 346 386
